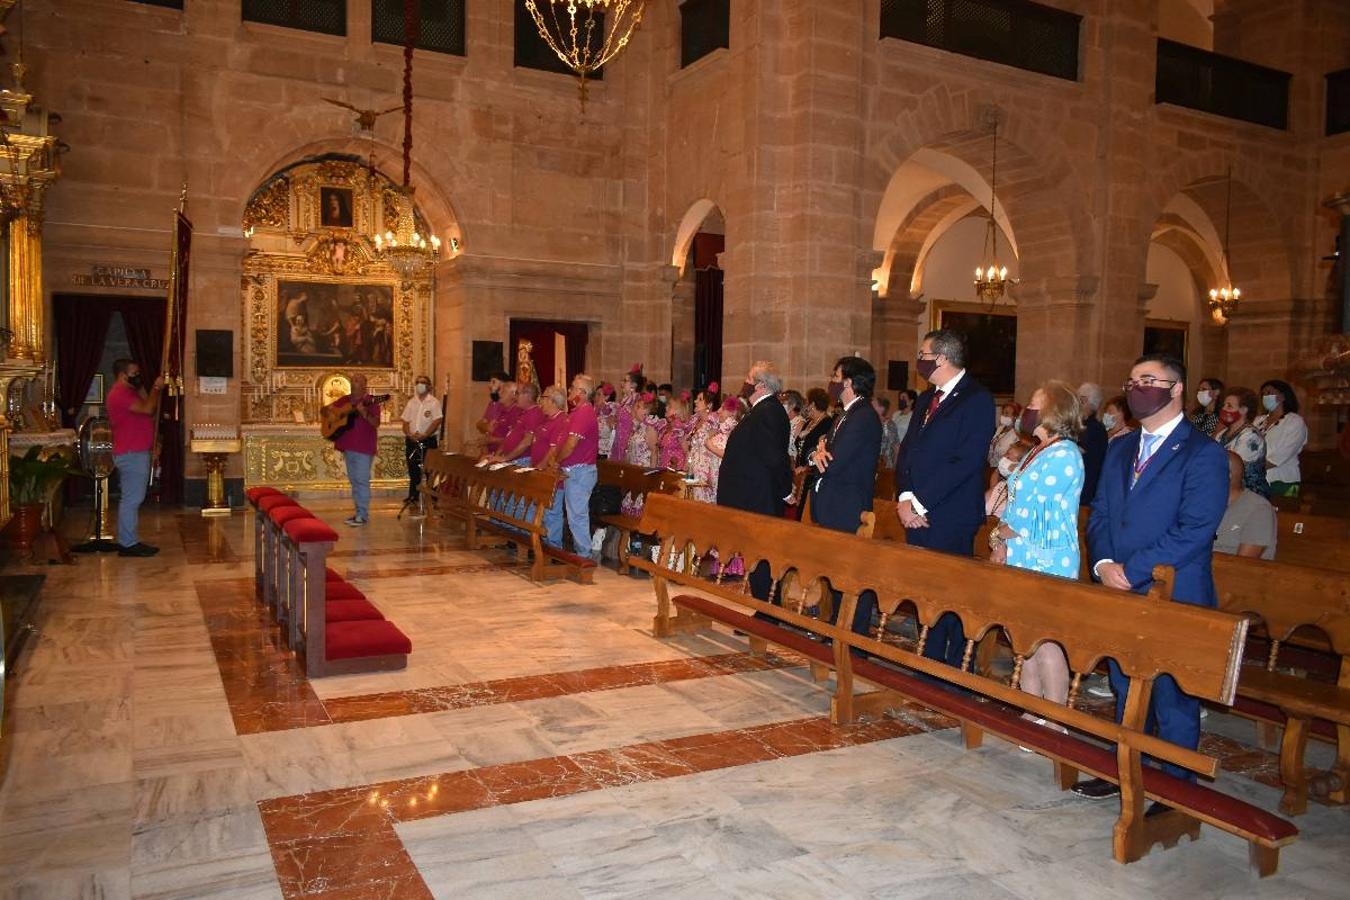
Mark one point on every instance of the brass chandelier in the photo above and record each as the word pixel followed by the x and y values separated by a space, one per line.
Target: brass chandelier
pixel 406 250
pixel 577 31
pixel 991 277
pixel 1224 300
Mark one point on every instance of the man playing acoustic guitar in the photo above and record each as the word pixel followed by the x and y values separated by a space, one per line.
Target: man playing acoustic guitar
pixel 359 444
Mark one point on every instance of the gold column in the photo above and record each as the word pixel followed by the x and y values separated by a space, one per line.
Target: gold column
pixel 26 312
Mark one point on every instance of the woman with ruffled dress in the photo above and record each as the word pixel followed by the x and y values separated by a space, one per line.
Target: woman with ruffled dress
pixel 673 435
pixel 701 461
pixel 728 416
pixel 625 415
pixel 642 443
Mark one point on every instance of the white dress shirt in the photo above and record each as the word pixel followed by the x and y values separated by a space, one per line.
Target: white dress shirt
pixel 421 413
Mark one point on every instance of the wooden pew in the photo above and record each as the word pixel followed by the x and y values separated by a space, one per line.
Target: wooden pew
pixel 511 503
pixel 1308 540
pixel 1200 648
pixel 633 482
pixel 1306 607
pixel 448 486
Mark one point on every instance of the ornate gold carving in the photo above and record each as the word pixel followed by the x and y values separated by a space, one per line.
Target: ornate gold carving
pixel 310 462
pixel 270 206
pixel 323 254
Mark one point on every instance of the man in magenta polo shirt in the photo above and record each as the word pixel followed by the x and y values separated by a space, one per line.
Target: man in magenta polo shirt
pixel 506 418
pixel 358 445
pixel 494 406
pixel 552 427
pixel 515 447
pixel 131 412
pixel 575 456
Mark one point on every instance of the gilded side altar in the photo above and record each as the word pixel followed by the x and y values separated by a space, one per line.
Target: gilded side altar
pixel 319 304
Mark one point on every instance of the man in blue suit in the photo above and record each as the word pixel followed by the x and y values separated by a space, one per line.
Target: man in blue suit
pixel 1161 497
pixel 847 461
pixel 939 471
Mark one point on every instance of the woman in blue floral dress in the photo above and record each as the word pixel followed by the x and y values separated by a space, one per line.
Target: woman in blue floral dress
pixel 1039 527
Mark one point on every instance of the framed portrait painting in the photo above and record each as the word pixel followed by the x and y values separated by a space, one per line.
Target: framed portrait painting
pixel 335 207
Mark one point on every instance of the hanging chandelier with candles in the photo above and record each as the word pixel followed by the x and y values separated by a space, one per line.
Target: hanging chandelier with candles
pixel 1224 299
pixel 404 248
pixel 586 34
pixel 991 276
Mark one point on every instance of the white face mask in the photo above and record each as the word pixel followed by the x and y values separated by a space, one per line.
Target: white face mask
pixel 1005 421
pixel 421 390
pixel 1108 421
pixel 1270 401
pixel 1006 467
pixel 1205 398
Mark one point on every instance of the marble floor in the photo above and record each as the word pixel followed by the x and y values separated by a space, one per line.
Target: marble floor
pixel 540 744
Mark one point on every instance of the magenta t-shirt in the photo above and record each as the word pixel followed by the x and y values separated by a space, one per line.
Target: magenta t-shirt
pixel 502 425
pixel 549 434
pixel 492 411
pixel 132 432
pixel 583 423
pixel 526 423
pixel 362 437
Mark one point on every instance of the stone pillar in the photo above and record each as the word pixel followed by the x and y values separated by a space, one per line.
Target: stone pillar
pixel 26 314
pixel 682 331
pixel 1053 314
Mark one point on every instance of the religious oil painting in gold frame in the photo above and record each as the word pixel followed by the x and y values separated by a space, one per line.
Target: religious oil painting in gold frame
pixel 330 324
pixel 335 207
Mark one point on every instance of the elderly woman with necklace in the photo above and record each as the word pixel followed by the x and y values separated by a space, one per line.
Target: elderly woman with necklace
pixel 1039 527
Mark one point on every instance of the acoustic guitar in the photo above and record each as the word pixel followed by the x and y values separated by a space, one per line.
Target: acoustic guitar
pixel 335 421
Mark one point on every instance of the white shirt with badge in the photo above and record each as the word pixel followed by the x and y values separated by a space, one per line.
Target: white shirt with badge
pixel 421 413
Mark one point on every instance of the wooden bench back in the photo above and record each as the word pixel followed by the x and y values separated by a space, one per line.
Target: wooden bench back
pixel 1308 540
pixel 450 476
pixel 884 486
pixel 514 497
pixel 1200 648
pixel 636 482
pixel 1286 597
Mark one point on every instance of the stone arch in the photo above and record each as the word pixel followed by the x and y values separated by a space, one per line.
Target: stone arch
pixel 1258 230
pixel 434 203
pixel 693 219
pixel 1062 233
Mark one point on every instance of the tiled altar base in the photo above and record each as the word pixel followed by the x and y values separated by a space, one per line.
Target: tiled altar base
pixel 540 744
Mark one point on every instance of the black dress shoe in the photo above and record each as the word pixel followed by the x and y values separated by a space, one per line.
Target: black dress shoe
pixel 141 550
pixel 1097 789
pixel 1156 808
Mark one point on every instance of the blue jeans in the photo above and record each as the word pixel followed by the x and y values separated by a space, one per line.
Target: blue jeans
pixel 575 497
pixel 358 473
pixel 133 469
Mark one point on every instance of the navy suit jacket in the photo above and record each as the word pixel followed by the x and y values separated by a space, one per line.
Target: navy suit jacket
pixel 845 488
pixel 943 457
pixel 755 474
pixel 1171 515
pixel 1093 441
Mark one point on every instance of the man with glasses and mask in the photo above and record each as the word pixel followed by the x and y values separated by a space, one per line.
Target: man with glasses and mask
pixel 939 471
pixel 421 421
pixel 1162 495
pixel 131 413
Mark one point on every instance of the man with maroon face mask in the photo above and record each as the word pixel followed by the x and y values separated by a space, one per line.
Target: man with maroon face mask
pixel 1162 494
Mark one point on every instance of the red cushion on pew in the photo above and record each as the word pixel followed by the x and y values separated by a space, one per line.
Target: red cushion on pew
pixel 341 590
pixel 349 640
pixel 307 531
pixel 272 501
pixel 352 611
pixel 254 494
pixel 330 575
pixel 280 515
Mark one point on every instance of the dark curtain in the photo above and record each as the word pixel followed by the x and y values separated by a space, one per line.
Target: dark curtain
pixel 707 327
pixel 143 318
pixel 81 330
pixel 541 335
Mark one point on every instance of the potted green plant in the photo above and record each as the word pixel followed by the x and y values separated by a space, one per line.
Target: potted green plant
pixel 33 478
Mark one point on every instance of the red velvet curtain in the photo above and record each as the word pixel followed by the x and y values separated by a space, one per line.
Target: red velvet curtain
pixel 541 335
pixel 81 330
pixel 707 327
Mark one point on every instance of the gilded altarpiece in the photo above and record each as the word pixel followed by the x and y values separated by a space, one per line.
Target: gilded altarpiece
pixel 319 305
